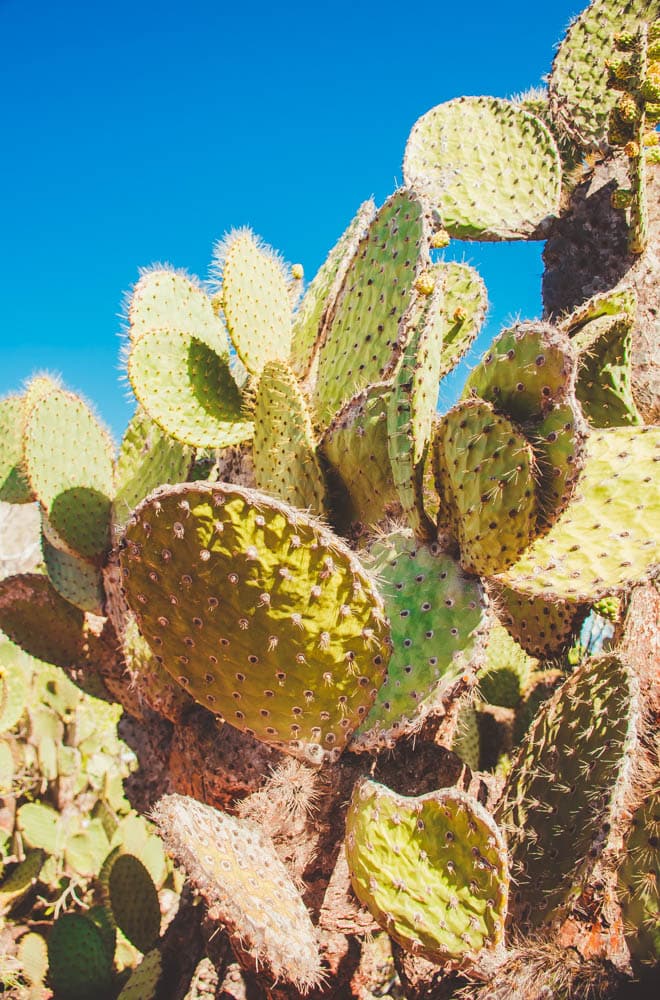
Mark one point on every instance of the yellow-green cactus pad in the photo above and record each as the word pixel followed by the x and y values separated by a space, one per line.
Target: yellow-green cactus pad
pixel 607 538
pixel 14 487
pixel 259 611
pixel 312 313
pixel 490 169
pixel 187 388
pixel 255 299
pixel 506 669
pixel 167 299
pixel 284 451
pixel 364 338
pixel 542 628
pixel 580 98
pixel 235 867
pixel 639 881
pixel 437 617
pixel 75 579
pixel 485 477
pixel 465 305
pixel 37 619
pixel 432 870
pixel 604 383
pixel 15 667
pixel 144 979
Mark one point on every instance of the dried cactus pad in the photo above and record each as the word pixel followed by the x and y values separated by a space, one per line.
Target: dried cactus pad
pixel 607 538
pixel 235 867
pixel 259 611
pixel 490 169
pixel 432 870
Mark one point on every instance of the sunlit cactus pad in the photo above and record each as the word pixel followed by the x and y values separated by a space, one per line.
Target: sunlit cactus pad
pixel 437 616
pixel 464 308
pixel 14 488
pixel 542 628
pixel 432 870
pixel 639 881
pixel 167 299
pixel 490 169
pixel 235 867
pixel 607 538
pixel 259 611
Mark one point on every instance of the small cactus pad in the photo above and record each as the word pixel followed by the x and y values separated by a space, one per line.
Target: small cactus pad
pixel 558 442
pixel 604 384
pixel 233 864
pixel 166 299
pixel 144 979
pixel 437 617
pixel 543 628
pixel 75 481
pixel 484 469
pixel 490 169
pixel 37 619
pixel 580 99
pixel 567 783
pixel 464 308
pixel 506 670
pixel 320 297
pixel 187 389
pixel 607 538
pixel 76 580
pixel 255 299
pixel 363 340
pixel 259 612
pixel 14 487
pixel 355 446
pixel 284 452
pixel 432 870
pixel 639 882
pixel 78 965
pixel 134 901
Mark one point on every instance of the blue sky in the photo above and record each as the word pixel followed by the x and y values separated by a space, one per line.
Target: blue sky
pixel 136 132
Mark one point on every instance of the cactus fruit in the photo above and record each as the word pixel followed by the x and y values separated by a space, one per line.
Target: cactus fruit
pixel 432 870
pixel 261 613
pixel 133 900
pixel 78 965
pixel 235 867
pixel 639 882
pixel 490 169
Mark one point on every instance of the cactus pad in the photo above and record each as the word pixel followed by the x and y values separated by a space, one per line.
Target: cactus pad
pixel 76 580
pixel 260 613
pixel 639 882
pixel 134 901
pixel 464 308
pixel 37 619
pixel 167 299
pixel 78 965
pixel 604 374
pixel 144 979
pixel 506 670
pixel 14 487
pixel 490 169
pixel 542 628
pixel 432 870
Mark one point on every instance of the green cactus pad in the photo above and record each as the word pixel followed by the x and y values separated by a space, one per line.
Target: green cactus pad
pixel 467 741
pixel 187 389
pixel 235 867
pixel 580 98
pixel 73 483
pixel 567 785
pixel 506 670
pixel 15 666
pixel 78 966
pixel 639 882
pixel 37 619
pixel 542 628
pixel 134 901
pixel 33 958
pixel 490 169
pixel 14 487
pixel 16 885
pixel 604 384
pixel 76 580
pixel 432 870
pixel 355 446
pixel 259 612
pixel 607 538
pixel 465 305
pixel 437 617
pixel 621 300
pixel 144 979
pixel 255 299
pixel 321 295
pixel 155 685
pixel 167 299
pixel 364 338
pixel 147 459
pixel 284 452
pixel 484 469
pixel 559 448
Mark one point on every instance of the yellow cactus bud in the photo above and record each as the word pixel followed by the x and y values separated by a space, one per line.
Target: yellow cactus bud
pixel 425 283
pixel 440 240
pixel 297 272
pixel 631 149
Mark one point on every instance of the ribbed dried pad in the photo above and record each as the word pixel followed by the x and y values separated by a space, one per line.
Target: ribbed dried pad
pixel 165 299
pixel 432 870
pixel 465 305
pixel 134 901
pixel 284 451
pixel 607 538
pixel 259 611
pixel 604 384
pixel 233 864
pixel 485 469
pixel 639 882
pixel 437 617
pixel 543 628
pixel 355 445
pixel 144 979
pixel 255 300
pixel 412 404
pixel 568 785
pixel 78 966
pixel 37 619
pixel 320 297
pixel 14 487
pixel 187 389
pixel 75 579
pixel 580 99
pixel 490 169
pixel 147 459
pixel 74 481
pixel 506 669
pixel 364 338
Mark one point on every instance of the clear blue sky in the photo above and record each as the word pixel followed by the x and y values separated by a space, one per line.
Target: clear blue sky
pixel 136 132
